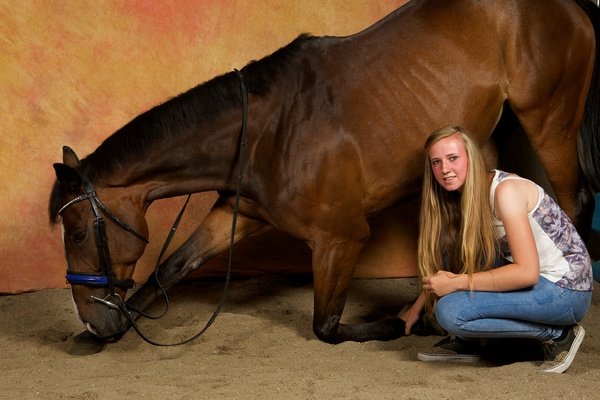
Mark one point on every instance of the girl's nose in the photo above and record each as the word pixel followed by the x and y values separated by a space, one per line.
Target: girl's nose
pixel 445 168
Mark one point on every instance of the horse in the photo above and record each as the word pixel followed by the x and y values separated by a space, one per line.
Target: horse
pixel 334 134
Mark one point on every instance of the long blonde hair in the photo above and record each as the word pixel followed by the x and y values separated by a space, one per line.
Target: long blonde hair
pixel 456 229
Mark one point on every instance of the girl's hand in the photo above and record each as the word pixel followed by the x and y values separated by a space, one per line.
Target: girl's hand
pixel 442 283
pixel 411 316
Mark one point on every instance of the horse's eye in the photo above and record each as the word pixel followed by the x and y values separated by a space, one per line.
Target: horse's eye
pixel 78 236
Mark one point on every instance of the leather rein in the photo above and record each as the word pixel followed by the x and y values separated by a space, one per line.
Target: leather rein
pixel 107 277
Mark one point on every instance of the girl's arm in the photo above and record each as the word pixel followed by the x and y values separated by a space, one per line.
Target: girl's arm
pixel 514 199
pixel 411 316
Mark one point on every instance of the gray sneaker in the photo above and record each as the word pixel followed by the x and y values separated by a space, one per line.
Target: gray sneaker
pixel 452 350
pixel 560 354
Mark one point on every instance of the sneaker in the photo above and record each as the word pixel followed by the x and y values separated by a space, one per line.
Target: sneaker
pixel 452 349
pixel 560 353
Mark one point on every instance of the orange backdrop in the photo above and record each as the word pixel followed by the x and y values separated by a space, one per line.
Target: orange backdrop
pixel 72 72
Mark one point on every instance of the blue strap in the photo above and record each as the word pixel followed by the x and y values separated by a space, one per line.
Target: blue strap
pixel 87 279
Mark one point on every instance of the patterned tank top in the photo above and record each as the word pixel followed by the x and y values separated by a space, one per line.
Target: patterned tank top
pixel 564 259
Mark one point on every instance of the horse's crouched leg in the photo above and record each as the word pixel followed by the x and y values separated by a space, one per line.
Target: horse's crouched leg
pixel 333 332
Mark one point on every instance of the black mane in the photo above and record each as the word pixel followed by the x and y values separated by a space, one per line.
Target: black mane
pixel 198 105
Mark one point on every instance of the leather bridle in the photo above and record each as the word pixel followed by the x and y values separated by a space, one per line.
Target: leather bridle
pixel 107 277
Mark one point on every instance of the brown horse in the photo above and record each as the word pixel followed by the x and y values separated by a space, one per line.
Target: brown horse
pixel 335 133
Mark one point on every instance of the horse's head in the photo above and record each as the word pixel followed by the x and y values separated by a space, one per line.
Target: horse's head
pixel 104 232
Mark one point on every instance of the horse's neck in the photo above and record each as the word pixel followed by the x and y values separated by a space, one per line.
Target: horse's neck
pixel 201 159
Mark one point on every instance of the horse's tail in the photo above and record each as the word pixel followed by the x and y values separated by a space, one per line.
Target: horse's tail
pixel 589 133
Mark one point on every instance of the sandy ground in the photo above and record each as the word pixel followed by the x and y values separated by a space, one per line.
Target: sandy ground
pixel 260 347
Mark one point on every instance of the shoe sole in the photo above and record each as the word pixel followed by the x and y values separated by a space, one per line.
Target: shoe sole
pixel 562 367
pixel 448 358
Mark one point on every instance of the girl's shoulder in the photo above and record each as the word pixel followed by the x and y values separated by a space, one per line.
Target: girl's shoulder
pixel 501 176
pixel 511 188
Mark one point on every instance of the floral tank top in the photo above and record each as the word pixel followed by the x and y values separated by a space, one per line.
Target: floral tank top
pixel 564 259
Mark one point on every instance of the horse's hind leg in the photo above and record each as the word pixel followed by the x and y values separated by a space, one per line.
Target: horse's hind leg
pixel 552 127
pixel 208 240
pixel 333 267
pixel 553 135
pixel 548 95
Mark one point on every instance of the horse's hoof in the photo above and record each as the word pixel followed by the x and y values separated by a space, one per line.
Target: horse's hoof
pixel 85 344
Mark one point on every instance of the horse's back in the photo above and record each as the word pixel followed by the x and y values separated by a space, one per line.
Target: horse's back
pixel 435 49
pixel 437 62
pixel 366 102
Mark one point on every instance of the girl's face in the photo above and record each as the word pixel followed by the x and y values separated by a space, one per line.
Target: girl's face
pixel 449 162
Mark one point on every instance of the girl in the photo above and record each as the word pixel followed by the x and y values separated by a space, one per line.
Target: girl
pixel 469 217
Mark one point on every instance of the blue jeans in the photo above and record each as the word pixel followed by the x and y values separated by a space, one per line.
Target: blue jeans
pixel 539 312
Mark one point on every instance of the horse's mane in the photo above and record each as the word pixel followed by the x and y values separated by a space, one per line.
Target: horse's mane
pixel 200 104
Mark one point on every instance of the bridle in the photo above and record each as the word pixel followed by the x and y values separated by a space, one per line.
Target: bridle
pixel 107 277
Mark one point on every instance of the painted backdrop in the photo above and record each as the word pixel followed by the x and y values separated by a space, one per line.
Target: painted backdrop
pixel 72 72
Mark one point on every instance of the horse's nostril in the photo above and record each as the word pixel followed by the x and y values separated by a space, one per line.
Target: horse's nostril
pixel 90 328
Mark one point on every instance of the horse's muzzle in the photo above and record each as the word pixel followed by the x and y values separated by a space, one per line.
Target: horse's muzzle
pixel 107 323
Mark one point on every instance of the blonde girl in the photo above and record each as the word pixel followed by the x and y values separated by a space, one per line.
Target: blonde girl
pixel 497 257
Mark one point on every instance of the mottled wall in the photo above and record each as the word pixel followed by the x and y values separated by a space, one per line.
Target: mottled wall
pixel 72 72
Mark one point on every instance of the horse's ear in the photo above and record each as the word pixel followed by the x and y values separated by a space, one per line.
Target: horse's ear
pixel 67 175
pixel 69 157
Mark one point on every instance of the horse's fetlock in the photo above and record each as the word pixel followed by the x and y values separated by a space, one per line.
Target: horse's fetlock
pixel 328 331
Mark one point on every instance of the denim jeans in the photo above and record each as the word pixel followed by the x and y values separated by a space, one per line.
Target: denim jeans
pixel 539 312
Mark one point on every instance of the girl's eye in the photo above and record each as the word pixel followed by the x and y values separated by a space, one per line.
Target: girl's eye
pixel 453 158
pixel 435 162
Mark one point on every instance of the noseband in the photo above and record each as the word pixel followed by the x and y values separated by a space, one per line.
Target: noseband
pixel 107 277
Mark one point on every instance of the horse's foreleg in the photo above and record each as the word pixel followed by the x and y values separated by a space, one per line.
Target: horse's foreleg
pixel 333 267
pixel 208 240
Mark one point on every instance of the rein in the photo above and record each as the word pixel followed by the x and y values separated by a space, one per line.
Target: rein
pixel 107 279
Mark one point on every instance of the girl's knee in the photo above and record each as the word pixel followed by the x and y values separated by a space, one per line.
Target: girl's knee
pixel 446 313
